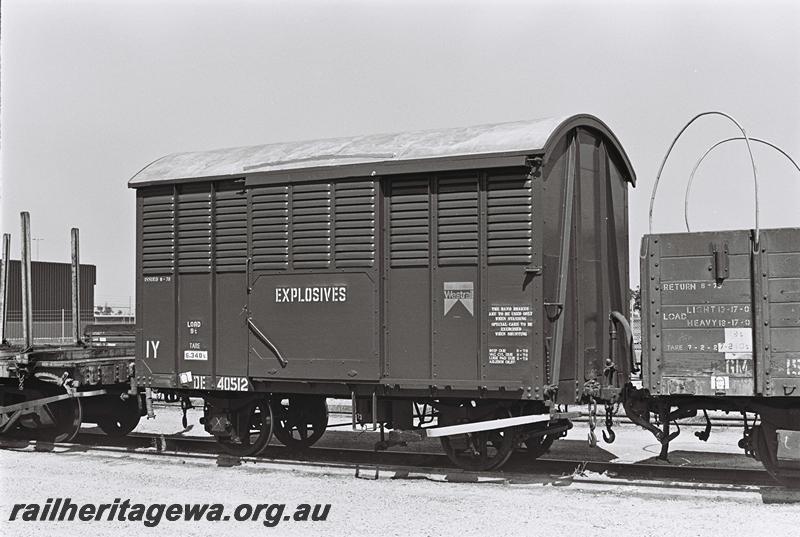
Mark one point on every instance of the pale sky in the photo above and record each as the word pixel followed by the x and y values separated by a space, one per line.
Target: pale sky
pixel 94 91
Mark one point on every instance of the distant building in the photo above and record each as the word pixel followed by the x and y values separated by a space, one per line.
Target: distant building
pixel 51 294
pixel 113 318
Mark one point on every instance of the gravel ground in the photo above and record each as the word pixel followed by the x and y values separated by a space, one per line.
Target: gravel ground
pixel 360 507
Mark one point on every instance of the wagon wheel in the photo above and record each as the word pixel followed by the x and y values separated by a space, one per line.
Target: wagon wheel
pixel 258 416
pixel 125 419
pixel 64 418
pixel 539 445
pixel 767 453
pixel 301 420
pixel 482 450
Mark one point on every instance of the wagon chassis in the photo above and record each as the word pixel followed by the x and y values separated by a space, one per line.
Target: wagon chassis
pixel 775 420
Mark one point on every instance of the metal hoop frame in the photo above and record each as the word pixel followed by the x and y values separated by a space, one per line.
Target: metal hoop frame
pixel 710 149
pixel 672 145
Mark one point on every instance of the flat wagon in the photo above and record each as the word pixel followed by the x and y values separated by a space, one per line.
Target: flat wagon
pixel 47 390
pixel 474 274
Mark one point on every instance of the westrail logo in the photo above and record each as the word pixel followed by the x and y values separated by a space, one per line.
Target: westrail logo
pixel 455 292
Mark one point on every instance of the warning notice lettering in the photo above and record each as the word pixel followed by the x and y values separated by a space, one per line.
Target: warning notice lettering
pixel 506 321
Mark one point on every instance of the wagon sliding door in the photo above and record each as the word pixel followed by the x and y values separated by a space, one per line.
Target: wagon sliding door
pixel 433 279
pixel 314 281
pixel 455 278
pixel 408 285
pixel 459 298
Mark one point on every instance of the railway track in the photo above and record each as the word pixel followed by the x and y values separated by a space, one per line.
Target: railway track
pixel 372 464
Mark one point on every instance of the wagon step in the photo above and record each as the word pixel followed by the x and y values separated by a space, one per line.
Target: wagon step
pixel 502 423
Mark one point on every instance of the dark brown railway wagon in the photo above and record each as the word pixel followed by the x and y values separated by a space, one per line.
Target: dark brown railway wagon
pixel 460 263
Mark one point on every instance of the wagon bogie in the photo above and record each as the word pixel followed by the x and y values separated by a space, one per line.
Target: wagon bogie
pixel 242 424
pixel 480 450
pixel 41 410
pixel 299 421
pixel 117 413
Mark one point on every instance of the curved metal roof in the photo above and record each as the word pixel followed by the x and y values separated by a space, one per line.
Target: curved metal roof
pixel 499 144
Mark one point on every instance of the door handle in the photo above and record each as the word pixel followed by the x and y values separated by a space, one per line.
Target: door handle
pixel 265 340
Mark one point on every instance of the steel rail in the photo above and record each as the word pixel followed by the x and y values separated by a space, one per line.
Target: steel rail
pixel 517 467
pixel 554 472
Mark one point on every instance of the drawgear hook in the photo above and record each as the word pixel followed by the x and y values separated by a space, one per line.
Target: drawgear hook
pixel 611 436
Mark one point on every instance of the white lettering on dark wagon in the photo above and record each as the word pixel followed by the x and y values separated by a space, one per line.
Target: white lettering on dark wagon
pixel 152 344
pixel 707 316
pixel 157 279
pixel 689 286
pixel 510 320
pixel 195 355
pixel 311 294
pixel 504 356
